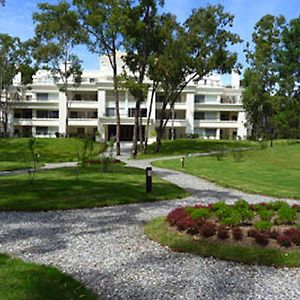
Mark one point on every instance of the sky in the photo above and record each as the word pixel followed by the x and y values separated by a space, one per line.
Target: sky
pixel 16 18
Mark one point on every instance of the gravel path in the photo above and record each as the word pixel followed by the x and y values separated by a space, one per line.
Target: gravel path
pixel 107 250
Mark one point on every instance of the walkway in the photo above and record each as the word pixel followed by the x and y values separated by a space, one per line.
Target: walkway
pixel 107 250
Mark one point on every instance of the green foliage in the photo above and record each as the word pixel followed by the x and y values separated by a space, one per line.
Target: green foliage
pixel 263 225
pixel 238 155
pixel 265 214
pixel 287 214
pixel 197 213
pixel 233 220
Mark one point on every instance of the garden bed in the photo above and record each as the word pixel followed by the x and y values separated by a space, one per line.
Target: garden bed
pixel 264 233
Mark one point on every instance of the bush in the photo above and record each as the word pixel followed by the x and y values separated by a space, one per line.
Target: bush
pixel 220 153
pixel 241 204
pixel 284 240
pixel 261 239
pixel 287 214
pixel 263 225
pixel 208 229
pixel 265 214
pixel 238 155
pixel 293 234
pixel 276 205
pixel 237 233
pixel 223 232
pixel 233 220
pixel 253 233
pixel 196 213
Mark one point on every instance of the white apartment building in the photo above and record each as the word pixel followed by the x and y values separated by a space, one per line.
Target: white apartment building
pixel 205 109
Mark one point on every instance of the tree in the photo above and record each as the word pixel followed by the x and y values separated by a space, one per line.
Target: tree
pixel 15 58
pixel 57 33
pixel 102 20
pixel 141 39
pixel 287 118
pixel 260 79
pixel 192 51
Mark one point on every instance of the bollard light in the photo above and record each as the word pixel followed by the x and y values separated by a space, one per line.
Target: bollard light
pixel 182 161
pixel 148 180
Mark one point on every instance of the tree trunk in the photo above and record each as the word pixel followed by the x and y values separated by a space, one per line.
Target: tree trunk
pixel 142 149
pixel 172 128
pixel 67 115
pixel 135 130
pixel 118 118
pixel 148 118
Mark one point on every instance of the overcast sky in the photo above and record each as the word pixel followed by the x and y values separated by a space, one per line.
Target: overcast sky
pixel 16 18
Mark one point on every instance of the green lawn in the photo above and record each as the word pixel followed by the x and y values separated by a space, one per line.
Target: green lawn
pixel 186 146
pixel 273 171
pixel 14 153
pixel 159 231
pixel 78 188
pixel 27 281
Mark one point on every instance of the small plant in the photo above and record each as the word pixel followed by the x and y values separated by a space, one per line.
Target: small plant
pixel 261 239
pixel 223 232
pixel 284 240
pixel 196 213
pixel 238 155
pixel 220 153
pixel 263 145
pixel 265 214
pixel 293 234
pixel 263 225
pixel 33 160
pixel 287 214
pixel 208 229
pixel 233 220
pixel 237 233
pixel 252 233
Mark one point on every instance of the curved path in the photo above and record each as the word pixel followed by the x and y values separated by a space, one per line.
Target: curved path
pixel 107 250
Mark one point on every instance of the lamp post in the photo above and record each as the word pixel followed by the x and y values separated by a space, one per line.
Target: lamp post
pixel 148 180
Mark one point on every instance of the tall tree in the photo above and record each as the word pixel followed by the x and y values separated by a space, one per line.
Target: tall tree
pixel 260 79
pixel 288 58
pixel 141 40
pixel 103 21
pixel 15 58
pixel 57 33
pixel 192 51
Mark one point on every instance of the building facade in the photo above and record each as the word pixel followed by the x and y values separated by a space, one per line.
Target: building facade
pixel 206 109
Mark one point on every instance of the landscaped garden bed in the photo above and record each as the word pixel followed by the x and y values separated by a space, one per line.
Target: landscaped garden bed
pixel 264 233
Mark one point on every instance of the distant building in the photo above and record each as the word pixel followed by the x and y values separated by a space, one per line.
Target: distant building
pixel 205 109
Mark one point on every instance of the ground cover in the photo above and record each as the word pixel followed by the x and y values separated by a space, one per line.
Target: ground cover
pixel 187 146
pixel 15 153
pixel 82 187
pixel 27 281
pixel 272 171
pixel 265 233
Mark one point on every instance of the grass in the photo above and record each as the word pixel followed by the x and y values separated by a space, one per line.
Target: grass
pixel 14 152
pixel 71 188
pixel 28 281
pixel 186 146
pixel 159 231
pixel 273 171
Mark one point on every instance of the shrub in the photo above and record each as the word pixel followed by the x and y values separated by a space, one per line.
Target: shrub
pixel 293 234
pixel 241 204
pixel 253 233
pixel 238 155
pixel 276 205
pixel 261 239
pixel 233 220
pixel 175 215
pixel 223 232
pixel 237 233
pixel 273 234
pixel 284 240
pixel 220 153
pixel 262 225
pixel 208 229
pixel 265 214
pixel 287 214
pixel 196 213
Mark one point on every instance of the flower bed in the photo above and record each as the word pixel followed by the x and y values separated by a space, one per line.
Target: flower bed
pixel 272 225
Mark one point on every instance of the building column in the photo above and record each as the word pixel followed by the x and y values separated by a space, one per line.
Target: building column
pixel 62 113
pixel 126 104
pixel 190 109
pixel 33 131
pixel 153 112
pixel 101 112
pixel 218 134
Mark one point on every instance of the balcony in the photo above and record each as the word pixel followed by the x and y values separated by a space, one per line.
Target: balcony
pixel 36 122
pixel 111 120
pixel 82 104
pixel 215 124
pixel 82 122
pixel 177 123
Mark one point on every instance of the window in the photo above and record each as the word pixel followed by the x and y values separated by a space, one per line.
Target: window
pixel 92 80
pixel 199 115
pixel 42 130
pixel 42 96
pixel 199 98
pixel 110 112
pixel 80 131
pixel 210 132
pixel 28 97
pixel 45 114
pixel 131 112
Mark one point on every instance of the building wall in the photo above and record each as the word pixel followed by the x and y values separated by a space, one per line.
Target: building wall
pixel 200 109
